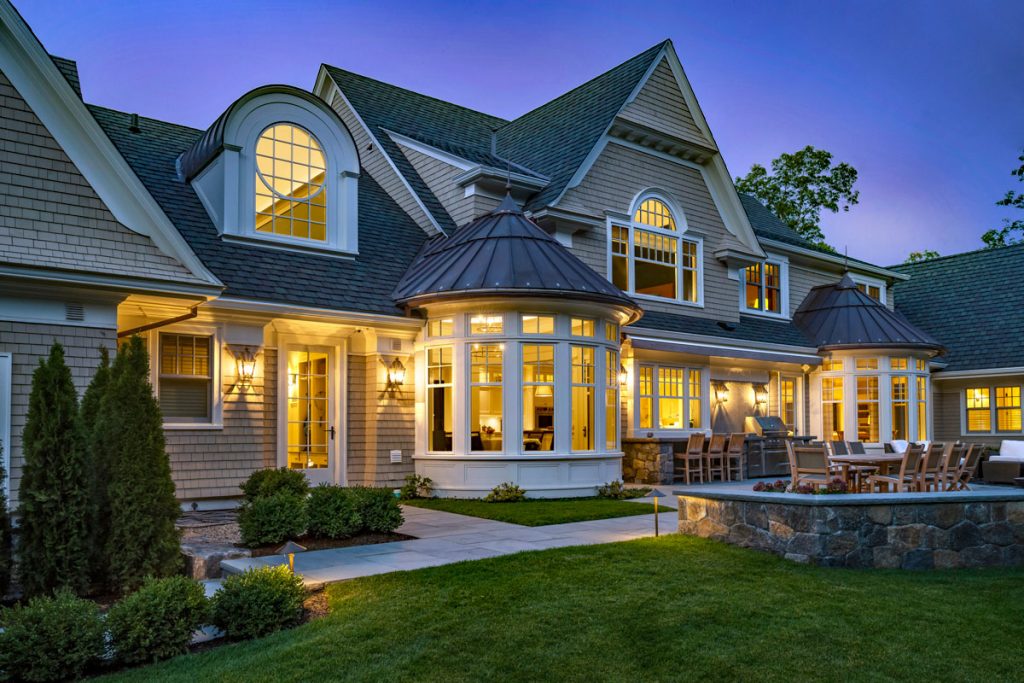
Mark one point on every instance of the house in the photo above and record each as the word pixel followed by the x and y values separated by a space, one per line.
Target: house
pixel 362 282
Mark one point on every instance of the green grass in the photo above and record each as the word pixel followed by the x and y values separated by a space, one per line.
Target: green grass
pixel 668 609
pixel 539 512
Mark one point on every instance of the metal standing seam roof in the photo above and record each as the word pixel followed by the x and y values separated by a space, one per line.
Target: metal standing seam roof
pixel 503 252
pixel 840 316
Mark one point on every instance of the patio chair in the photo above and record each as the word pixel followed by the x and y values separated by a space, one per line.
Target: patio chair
pixel 734 456
pixel 809 465
pixel 690 462
pixel 907 478
pixel 953 454
pixel 714 459
pixel 931 467
pixel 856 447
pixel 968 465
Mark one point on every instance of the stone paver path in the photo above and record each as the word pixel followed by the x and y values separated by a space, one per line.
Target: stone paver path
pixel 444 538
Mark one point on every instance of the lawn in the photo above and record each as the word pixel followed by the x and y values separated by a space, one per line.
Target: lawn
pixel 668 609
pixel 539 512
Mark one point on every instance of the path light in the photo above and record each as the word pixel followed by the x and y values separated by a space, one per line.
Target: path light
pixel 289 549
pixel 656 494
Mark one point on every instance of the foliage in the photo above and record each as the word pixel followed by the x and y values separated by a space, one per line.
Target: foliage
pixel 54 546
pixel 800 186
pixel 1001 237
pixel 542 511
pixel 265 483
pixel 836 485
pixel 142 511
pixel 416 486
pixel 777 486
pixel 51 638
pixel 274 519
pixel 5 533
pixel 98 461
pixel 333 512
pixel 506 492
pixel 158 620
pixel 258 602
pixel 918 256
pixel 616 490
pixel 378 509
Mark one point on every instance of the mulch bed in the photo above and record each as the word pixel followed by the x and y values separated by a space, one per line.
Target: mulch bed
pixel 314 543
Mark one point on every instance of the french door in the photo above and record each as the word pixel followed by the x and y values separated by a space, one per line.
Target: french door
pixel 310 417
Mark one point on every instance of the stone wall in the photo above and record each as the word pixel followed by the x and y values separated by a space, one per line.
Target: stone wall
pixel 904 536
pixel 647 461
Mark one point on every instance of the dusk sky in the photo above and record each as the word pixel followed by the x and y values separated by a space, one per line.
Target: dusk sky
pixel 924 99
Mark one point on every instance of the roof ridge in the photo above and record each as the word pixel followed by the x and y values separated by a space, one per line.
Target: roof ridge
pixel 972 252
pixel 144 118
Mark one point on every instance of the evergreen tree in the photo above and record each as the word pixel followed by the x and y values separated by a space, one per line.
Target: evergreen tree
pixel 98 461
pixel 142 540
pixel 54 543
pixel 5 532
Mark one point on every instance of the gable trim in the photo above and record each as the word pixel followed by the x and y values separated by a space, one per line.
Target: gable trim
pixel 856 266
pixel 39 81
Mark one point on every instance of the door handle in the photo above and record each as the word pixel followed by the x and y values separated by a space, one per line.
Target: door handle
pixel 332 432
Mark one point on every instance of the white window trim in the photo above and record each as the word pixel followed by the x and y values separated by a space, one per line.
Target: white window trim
pixel 993 421
pixel 681 233
pixel 216 334
pixel 798 398
pixel 655 428
pixel 873 282
pixel 783 263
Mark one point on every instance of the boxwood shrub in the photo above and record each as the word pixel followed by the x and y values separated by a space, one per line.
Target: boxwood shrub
pixel 275 519
pixel 333 512
pixel 258 602
pixel 378 508
pixel 50 639
pixel 266 483
pixel 158 620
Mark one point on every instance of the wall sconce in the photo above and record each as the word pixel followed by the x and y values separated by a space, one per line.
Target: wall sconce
pixel 721 392
pixel 396 375
pixel 245 366
pixel 761 395
pixel 623 375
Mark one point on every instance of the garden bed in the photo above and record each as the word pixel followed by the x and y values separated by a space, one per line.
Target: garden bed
pixel 540 511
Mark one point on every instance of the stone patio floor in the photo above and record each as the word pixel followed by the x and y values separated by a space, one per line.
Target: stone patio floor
pixel 445 538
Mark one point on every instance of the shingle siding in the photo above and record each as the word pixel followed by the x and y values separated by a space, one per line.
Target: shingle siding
pixel 440 178
pixel 660 105
pixel 377 423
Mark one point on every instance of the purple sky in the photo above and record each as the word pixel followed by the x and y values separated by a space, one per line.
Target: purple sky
pixel 925 99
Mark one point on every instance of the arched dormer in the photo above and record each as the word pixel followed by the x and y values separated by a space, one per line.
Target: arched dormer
pixel 655 256
pixel 279 168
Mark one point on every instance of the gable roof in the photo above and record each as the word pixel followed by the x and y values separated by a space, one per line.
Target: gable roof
pixel 388 237
pixel 556 137
pixel 972 303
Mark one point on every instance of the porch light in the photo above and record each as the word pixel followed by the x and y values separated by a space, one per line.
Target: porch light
pixel 245 366
pixel 761 394
pixel 289 549
pixel 721 392
pixel 396 375
pixel 623 375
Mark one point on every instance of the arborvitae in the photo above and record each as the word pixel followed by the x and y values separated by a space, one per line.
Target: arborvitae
pixel 143 540
pixel 5 532
pixel 98 461
pixel 54 509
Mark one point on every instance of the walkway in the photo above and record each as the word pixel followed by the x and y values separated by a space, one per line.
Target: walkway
pixel 445 538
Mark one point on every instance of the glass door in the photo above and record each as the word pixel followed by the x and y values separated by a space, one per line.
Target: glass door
pixel 310 414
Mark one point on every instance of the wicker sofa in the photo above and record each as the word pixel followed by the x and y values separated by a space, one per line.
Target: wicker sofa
pixel 1005 466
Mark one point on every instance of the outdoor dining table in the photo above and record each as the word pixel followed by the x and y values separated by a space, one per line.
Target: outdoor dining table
pixel 883 461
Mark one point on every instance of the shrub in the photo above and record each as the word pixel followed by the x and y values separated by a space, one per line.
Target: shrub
pixel 98 461
pixel 778 486
pixel 617 490
pixel 416 486
pixel 50 639
pixel 275 519
pixel 266 483
pixel 332 512
pixel 53 541
pixel 506 493
pixel 142 508
pixel 158 620
pixel 378 508
pixel 258 602
pixel 5 534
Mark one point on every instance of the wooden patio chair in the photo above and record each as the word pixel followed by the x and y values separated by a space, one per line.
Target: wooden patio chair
pixel 907 478
pixel 714 459
pixel 734 456
pixel 809 465
pixel 968 466
pixel 953 453
pixel 690 462
pixel 856 447
pixel 932 466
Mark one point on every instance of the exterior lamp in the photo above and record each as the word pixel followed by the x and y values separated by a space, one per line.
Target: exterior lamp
pixel 289 549
pixel 721 392
pixel 761 394
pixel 656 494
pixel 396 375
pixel 245 366
pixel 623 375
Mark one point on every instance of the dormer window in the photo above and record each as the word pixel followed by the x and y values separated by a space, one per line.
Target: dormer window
pixel 652 257
pixel 290 184
pixel 764 287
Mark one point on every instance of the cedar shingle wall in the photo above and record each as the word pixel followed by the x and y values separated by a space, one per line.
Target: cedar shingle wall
pixel 660 105
pixel 378 423
pixel 51 217
pixel 28 342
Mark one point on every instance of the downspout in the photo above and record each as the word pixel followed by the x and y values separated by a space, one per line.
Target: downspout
pixel 193 312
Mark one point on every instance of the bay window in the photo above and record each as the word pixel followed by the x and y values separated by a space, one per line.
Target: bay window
pixel 900 408
pixel 922 408
pixel 611 400
pixel 186 378
pixel 538 397
pixel 832 409
pixel 867 409
pixel 439 399
pixel 582 398
pixel 485 390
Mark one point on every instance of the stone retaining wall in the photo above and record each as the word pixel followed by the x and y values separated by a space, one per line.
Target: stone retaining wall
pixel 908 536
pixel 647 461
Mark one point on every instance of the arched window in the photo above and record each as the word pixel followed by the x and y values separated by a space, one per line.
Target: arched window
pixel 291 198
pixel 650 257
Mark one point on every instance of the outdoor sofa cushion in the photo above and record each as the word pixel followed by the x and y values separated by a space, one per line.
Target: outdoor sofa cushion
pixel 1010 451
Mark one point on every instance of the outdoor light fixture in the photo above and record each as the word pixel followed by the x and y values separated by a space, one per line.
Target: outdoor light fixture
pixel 245 366
pixel 656 494
pixel 289 549
pixel 761 394
pixel 721 392
pixel 623 375
pixel 396 375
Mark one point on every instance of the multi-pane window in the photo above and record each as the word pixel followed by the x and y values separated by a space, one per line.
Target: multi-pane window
pixel 979 410
pixel 611 331
pixel 439 399
pixel 873 291
pixel 898 363
pixel 832 364
pixel 649 257
pixel 694 387
pixel 486 324
pixel 654 268
pixel 538 324
pixel 671 394
pixel 867 409
pixel 582 327
pixel 291 197
pixel 763 287
pixel 185 381
pixel 670 397
pixel 538 397
pixel 611 400
pixel 787 403
pixel 440 327
pixel 900 408
pixel 582 398
pixel 690 271
pixel 921 364
pixel 655 213
pixel 1008 409
pixel 832 409
pixel 922 408
pixel 485 396
pixel 620 257
pixel 867 364
pixel 646 377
